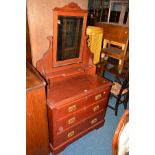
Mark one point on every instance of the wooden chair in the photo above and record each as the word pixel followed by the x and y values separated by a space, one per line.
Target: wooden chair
pixel 115 42
pixel 121 135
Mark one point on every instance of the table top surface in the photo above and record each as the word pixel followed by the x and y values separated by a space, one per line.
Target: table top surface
pixel 33 79
pixel 77 86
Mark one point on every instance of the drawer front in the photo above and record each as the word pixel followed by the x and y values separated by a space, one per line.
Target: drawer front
pixel 93 120
pixel 94 108
pixel 67 134
pixel 74 131
pixel 69 108
pixel 68 121
pixel 97 96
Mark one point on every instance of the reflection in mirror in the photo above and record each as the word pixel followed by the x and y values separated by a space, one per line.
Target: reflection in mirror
pixel 69 37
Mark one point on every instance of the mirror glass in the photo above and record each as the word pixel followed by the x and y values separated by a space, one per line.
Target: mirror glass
pixel 69 37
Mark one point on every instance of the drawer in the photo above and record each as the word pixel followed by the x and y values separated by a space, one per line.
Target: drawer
pixel 77 129
pixel 67 109
pixel 68 121
pixel 97 106
pixel 97 96
pixel 93 120
pixel 67 134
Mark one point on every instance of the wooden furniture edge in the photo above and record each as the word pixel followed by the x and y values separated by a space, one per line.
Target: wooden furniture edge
pixel 124 119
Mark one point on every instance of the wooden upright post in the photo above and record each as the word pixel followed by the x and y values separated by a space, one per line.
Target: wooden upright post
pixel 110 6
pixel 122 14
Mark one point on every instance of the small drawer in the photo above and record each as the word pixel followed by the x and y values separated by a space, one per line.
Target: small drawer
pixel 95 97
pixel 66 109
pixel 98 96
pixel 68 121
pixel 94 108
pixel 94 119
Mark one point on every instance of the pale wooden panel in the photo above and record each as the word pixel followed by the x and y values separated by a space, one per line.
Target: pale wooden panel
pixel 40 19
pixel 122 14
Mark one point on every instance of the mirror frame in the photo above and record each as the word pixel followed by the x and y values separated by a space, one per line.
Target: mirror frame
pixel 72 9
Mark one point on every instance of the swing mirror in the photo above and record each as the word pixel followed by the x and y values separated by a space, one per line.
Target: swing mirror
pixel 69 32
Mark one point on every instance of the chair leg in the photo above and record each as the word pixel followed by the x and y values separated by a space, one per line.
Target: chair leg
pixel 116 109
pixel 117 104
pixel 125 105
pixel 126 101
pixel 120 67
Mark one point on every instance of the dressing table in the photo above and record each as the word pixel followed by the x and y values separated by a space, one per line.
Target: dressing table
pixel 76 96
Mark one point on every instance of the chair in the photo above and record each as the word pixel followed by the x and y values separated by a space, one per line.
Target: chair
pixel 120 141
pixel 120 87
pixel 115 43
pixel 95 36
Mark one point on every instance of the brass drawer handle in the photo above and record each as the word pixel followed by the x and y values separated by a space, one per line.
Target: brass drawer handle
pixel 96 108
pixel 71 120
pixel 93 120
pixel 72 108
pixel 70 134
pixel 98 97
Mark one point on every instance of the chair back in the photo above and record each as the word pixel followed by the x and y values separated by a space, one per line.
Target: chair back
pixel 117 35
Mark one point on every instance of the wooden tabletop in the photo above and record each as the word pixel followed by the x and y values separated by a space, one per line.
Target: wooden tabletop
pixel 33 78
pixel 77 86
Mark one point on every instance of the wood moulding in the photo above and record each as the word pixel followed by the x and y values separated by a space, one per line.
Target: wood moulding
pixel 70 7
pixel 45 62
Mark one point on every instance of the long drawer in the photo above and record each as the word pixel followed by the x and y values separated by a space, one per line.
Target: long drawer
pixel 68 121
pixel 76 129
pixel 72 107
